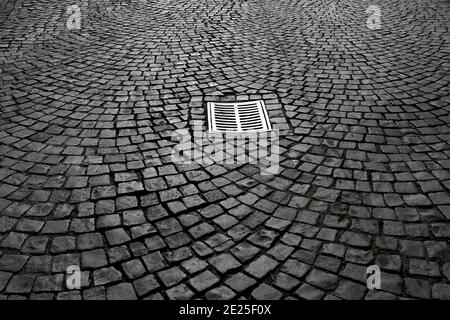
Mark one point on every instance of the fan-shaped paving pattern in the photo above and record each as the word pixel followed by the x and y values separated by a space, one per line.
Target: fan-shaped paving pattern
pixel 85 137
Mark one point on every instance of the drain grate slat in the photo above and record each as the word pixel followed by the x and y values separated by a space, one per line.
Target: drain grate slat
pixel 248 116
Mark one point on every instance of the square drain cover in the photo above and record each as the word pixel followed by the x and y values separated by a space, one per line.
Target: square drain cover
pixel 248 116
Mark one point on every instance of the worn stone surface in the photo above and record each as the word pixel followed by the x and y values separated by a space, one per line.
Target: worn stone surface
pixel 87 178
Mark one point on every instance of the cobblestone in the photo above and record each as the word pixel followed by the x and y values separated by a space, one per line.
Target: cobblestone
pixel 87 178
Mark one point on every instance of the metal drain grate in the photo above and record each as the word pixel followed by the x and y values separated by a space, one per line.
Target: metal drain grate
pixel 238 117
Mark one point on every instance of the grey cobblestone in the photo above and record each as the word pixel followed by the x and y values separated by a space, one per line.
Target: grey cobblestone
pixel 87 179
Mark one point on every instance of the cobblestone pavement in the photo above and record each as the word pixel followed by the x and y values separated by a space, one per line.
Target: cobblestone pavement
pixel 85 137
